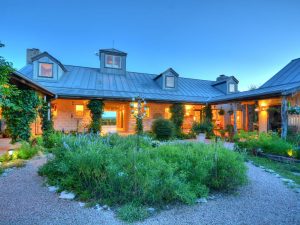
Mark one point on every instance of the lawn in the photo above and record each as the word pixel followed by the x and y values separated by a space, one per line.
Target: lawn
pixel 286 170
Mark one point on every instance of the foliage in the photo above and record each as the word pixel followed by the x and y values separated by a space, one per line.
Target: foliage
pixel 132 212
pixel 202 127
pixel 163 129
pixel 21 114
pixel 139 128
pixel 14 163
pixel 183 136
pixel 293 136
pixel 208 113
pixel 177 116
pixel 230 130
pixel 26 151
pixel 47 124
pixel 108 170
pixel 6 89
pixel 294 110
pixel 269 143
pixel 221 112
pixel 96 107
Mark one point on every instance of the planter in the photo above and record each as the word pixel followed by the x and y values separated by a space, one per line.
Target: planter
pixel 201 137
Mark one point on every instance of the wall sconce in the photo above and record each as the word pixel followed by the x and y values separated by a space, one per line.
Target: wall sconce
pixel 256 109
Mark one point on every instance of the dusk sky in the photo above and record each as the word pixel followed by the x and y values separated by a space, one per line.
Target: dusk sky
pixel 251 40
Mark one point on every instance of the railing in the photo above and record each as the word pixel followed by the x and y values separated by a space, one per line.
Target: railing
pixel 294 120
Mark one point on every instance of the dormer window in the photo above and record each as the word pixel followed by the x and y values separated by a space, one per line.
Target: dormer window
pixel 113 61
pixel 170 82
pixel 231 88
pixel 46 70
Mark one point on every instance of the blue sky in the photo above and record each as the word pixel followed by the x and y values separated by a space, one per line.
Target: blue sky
pixel 199 39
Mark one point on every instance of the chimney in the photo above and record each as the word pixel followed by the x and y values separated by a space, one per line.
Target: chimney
pixel 30 53
pixel 222 77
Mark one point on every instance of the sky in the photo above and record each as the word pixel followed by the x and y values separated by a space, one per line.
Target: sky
pixel 251 40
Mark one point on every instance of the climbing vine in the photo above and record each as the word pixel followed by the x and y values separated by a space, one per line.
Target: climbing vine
pixel 20 113
pixel 139 128
pixel 96 107
pixel 177 116
pixel 47 123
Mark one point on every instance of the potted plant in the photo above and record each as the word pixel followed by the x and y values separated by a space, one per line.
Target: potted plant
pixel 202 130
pixel 221 112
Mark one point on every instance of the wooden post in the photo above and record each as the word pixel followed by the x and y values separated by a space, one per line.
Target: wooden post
pixel 234 118
pixel 284 117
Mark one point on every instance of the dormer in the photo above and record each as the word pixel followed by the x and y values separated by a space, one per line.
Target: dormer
pixel 45 66
pixel 226 84
pixel 167 80
pixel 112 61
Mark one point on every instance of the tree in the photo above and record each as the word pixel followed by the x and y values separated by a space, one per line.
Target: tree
pixel 252 87
pixel 6 89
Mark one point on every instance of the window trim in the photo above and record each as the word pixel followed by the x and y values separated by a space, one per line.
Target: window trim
pixel 166 83
pixel 113 61
pixel 39 70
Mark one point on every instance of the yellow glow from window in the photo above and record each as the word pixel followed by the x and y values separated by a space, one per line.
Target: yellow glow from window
pixel 79 110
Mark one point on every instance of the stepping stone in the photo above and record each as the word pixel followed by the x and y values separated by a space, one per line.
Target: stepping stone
pixel 270 171
pixel 211 197
pixel 151 210
pixel 53 188
pixel 287 180
pixel 97 207
pixel 4 174
pixel 201 200
pixel 67 195
pixel 105 207
pixel 81 204
pixel 296 174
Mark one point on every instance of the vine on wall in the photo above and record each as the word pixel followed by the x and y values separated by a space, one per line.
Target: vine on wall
pixel 96 107
pixel 47 124
pixel 177 116
pixel 20 113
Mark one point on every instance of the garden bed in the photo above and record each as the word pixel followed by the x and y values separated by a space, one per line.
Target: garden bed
pixel 279 158
pixel 110 171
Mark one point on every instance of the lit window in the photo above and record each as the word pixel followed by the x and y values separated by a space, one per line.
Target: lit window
pixel 79 110
pixel 113 61
pixel 145 110
pixel 231 88
pixel 46 70
pixel 170 81
pixel 167 113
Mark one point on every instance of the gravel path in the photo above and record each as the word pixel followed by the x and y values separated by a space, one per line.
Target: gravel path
pixel 266 200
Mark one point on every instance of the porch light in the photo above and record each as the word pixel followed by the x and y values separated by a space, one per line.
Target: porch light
pixel 10 152
pixel 256 109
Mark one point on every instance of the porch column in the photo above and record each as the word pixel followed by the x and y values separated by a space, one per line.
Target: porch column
pixel 49 108
pixel 234 118
pixel 284 117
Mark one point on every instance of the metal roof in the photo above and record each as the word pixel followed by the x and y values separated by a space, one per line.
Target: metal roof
pixel 85 82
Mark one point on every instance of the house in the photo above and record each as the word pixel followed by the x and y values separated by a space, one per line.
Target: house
pixel 73 86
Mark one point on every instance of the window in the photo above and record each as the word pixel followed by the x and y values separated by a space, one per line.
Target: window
pixel 79 110
pixel 231 88
pixel 145 110
pixel 170 81
pixel 46 70
pixel 113 61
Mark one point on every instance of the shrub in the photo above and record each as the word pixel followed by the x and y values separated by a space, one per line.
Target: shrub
pixel 109 170
pixel 269 143
pixel 96 108
pixel 203 127
pixel 163 129
pixel 26 151
pixel 132 212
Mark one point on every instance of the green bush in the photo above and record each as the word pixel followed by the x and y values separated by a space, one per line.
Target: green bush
pixel 163 129
pixel 269 143
pixel 108 170
pixel 132 212
pixel 203 127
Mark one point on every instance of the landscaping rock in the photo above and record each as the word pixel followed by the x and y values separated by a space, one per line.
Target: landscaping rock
pixel 53 188
pixel 297 190
pixel 97 207
pixel 296 174
pixel 67 195
pixel 277 175
pixel 211 197
pixel 287 180
pixel 201 200
pixel 81 204
pixel 270 171
pixel 105 207
pixel 151 210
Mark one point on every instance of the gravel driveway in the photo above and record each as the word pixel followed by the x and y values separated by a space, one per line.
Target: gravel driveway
pixel 266 200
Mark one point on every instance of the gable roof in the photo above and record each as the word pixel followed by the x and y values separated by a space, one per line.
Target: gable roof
pixel 168 70
pixel 85 82
pixel 46 54
pixel 287 75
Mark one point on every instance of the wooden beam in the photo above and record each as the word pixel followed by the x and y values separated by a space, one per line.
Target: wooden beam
pixel 284 117
pixel 234 118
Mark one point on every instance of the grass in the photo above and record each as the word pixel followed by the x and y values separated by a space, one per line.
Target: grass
pixel 284 169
